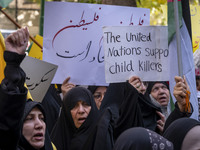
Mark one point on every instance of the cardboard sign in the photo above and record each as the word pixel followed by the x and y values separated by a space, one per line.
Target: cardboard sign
pixel 39 75
pixel 140 51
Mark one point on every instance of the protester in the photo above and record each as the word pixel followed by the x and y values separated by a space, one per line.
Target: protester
pixel 98 93
pixel 34 133
pixel 141 139
pixel 184 134
pixel 159 94
pixel 78 117
pixel 13 99
pixel 12 90
pixel 141 87
pixel 123 107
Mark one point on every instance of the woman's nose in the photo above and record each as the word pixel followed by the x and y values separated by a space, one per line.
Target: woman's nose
pixel 80 109
pixel 38 123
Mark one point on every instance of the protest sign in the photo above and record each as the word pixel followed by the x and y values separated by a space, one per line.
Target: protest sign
pixel 136 50
pixel 39 75
pixel 73 37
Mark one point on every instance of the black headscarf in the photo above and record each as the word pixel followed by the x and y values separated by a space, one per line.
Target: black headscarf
pixel 151 84
pixel 65 135
pixel 166 110
pixel 92 88
pixel 178 129
pixel 23 143
pixel 51 103
pixel 141 139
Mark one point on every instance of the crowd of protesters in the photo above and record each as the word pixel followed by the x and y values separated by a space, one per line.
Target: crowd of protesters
pixel 127 115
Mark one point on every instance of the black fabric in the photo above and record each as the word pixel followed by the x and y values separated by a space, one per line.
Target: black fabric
pixel 65 135
pixel 12 108
pixel 30 105
pixel 148 116
pixel 178 129
pixel 141 139
pixel 15 76
pixel 120 110
pixel 151 84
pixel 129 108
pixel 12 101
pixel 92 89
pixel 101 137
pixel 148 111
pixel 52 104
pixel 23 143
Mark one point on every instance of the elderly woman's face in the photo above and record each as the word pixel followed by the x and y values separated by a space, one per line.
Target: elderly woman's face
pixel 34 128
pixel 80 112
pixel 161 93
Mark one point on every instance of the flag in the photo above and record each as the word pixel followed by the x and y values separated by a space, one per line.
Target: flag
pixel 186 51
pixel 2 62
pixel 5 3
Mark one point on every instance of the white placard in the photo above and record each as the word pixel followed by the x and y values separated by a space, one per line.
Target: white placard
pixel 73 37
pixel 39 75
pixel 136 50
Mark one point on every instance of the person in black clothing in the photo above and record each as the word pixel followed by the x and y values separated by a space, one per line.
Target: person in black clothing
pixel 12 90
pixel 77 118
pixel 98 93
pixel 52 103
pixel 14 110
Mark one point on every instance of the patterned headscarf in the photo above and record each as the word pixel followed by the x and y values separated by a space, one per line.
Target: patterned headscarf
pixel 139 138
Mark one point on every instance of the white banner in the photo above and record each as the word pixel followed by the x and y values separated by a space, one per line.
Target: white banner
pixel 136 50
pixel 73 37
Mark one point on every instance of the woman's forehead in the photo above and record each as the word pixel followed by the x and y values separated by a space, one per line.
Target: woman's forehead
pixel 35 110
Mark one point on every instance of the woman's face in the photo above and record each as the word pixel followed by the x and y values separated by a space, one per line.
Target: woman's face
pixel 161 93
pixel 34 128
pixel 80 112
pixel 99 95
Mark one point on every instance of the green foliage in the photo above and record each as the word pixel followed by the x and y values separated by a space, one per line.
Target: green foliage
pixel 156 13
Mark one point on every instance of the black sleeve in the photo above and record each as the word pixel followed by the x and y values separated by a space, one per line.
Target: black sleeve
pixel 123 99
pixel 176 114
pixel 12 101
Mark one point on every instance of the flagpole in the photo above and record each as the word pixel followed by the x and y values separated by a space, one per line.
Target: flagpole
pixel 178 39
